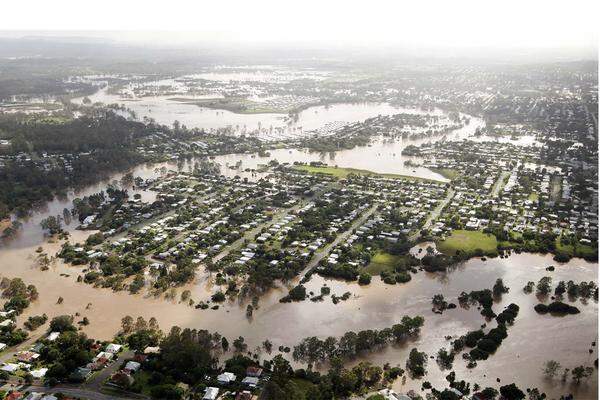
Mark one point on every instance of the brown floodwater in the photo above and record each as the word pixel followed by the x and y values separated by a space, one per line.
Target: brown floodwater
pixel 532 340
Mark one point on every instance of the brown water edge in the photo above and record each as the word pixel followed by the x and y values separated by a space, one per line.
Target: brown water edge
pixel 532 340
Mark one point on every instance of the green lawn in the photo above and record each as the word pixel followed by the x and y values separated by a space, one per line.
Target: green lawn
pixel 446 172
pixel 342 173
pixel 382 261
pixel 581 250
pixel 467 241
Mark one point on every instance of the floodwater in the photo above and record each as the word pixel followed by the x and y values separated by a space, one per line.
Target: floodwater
pixel 165 111
pixel 383 155
pixel 532 340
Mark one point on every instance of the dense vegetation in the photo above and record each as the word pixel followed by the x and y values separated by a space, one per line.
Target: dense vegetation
pixel 85 149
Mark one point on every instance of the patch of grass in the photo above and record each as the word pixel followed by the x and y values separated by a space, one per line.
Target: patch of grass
pixel 467 241
pixel 342 173
pixel 446 172
pixel 235 105
pixel 382 261
pixel 533 197
pixel 580 250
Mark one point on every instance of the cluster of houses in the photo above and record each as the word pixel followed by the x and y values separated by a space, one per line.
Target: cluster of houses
pixel 523 193
pixel 229 383
pixel 28 361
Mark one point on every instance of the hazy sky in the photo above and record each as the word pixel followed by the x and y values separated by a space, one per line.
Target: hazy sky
pixel 452 23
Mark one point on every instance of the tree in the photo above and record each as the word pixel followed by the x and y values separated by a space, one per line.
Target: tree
pixel 281 369
pixel 239 344
pixel 127 324
pixel 489 393
pixel 140 324
pixel 581 372
pixel 364 278
pixel 272 391
pixel 62 323
pixel 512 392
pixel 499 288
pixel 445 358
pixel 268 346
pixel 543 286
pixel 551 368
pixel 218 297
pixel 167 392
pixel 153 324
pixel 28 378
pixel 416 363
pixel 52 224
pixel 534 394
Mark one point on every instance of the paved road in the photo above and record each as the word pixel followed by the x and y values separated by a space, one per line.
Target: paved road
pixel 319 255
pixel 499 184
pixel 72 390
pixel 434 214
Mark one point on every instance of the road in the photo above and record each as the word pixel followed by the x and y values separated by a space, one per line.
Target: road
pixel 499 184
pixel 319 255
pixel 71 390
pixel 434 214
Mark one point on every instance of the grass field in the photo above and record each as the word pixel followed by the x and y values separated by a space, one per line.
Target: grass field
pixel 446 172
pixel 467 241
pixel 381 262
pixel 581 250
pixel 342 173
